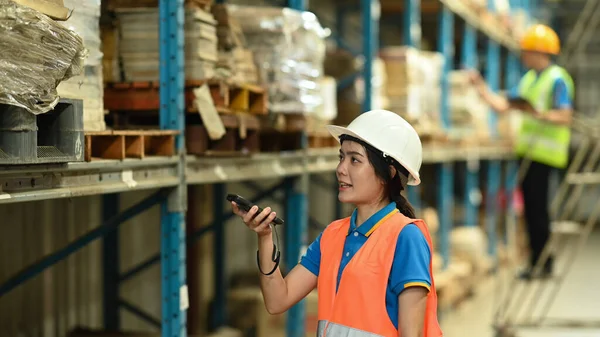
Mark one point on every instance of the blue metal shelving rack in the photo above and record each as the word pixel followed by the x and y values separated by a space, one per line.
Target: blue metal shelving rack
pixel 172 116
pixel 171 175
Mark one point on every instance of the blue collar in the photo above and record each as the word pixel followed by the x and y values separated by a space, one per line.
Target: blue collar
pixel 374 221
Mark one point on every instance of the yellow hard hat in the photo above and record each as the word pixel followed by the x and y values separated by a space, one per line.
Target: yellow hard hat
pixel 541 38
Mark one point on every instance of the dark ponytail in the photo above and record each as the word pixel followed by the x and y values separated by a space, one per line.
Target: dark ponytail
pixel 393 185
pixel 401 203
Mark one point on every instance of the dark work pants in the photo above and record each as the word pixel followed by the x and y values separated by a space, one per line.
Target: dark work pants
pixel 537 217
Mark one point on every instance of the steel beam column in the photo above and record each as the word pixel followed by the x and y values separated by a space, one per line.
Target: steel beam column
pixel 445 170
pixel 469 61
pixel 412 23
pixel 296 237
pixel 493 186
pixel 512 79
pixel 298 202
pixel 110 265
pixel 412 37
pixel 172 116
pixel 220 301
pixel 370 13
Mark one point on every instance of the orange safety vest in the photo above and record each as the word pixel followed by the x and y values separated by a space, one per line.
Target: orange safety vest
pixel 358 308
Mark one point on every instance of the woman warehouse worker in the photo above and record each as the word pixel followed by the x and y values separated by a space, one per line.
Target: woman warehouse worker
pixel 372 270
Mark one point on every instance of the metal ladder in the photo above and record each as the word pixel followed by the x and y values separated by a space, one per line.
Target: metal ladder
pixel 581 33
pixel 566 242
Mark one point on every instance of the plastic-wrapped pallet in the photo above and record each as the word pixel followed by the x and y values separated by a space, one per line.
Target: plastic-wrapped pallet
pixel 36 54
pixel 87 86
pixel 289 49
pixel 139 43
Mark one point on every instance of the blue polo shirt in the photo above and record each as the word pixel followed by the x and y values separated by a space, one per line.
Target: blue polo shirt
pixel 560 94
pixel 411 259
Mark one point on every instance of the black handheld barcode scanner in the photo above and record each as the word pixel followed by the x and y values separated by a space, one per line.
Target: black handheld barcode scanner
pixel 246 205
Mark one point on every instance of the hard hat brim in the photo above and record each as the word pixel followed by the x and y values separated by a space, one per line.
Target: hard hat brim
pixel 336 131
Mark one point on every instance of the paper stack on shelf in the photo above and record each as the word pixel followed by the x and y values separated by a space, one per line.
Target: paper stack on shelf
pixel 413 85
pixel 87 86
pixel 469 112
pixel 289 50
pixel 379 99
pixel 36 54
pixel 139 43
pixel 236 61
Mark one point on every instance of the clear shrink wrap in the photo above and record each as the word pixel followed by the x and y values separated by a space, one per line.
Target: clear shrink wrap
pixel 36 54
pixel 289 50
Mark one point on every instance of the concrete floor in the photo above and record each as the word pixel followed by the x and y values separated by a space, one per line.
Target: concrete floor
pixel 578 299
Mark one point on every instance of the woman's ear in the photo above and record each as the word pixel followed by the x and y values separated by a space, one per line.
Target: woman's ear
pixel 393 171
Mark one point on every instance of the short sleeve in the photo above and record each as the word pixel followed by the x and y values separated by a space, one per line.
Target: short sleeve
pixel 561 97
pixel 311 260
pixel 411 261
pixel 513 93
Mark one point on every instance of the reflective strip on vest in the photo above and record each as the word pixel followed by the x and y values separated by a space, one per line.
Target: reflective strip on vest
pixel 543 142
pixel 328 329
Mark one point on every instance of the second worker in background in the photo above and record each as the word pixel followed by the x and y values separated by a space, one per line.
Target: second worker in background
pixel 544 95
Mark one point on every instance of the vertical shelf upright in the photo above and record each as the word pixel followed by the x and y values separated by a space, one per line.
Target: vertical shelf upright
pixel 471 202
pixel 297 204
pixel 412 38
pixel 445 170
pixel 370 14
pixel 511 170
pixel 512 167
pixel 172 110
pixel 492 77
pixel 412 23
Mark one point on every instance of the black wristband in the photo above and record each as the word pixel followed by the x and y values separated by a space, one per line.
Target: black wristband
pixel 274 258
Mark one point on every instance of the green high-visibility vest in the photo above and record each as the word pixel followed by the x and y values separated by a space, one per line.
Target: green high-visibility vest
pixel 543 142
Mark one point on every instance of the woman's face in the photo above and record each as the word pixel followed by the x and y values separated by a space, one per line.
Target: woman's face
pixel 357 182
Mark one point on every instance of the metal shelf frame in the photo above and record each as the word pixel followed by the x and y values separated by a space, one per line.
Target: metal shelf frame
pixel 171 176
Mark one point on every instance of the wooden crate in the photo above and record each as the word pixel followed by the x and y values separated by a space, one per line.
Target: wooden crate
pixel 121 144
pixel 283 132
pixel 239 139
pixel 227 97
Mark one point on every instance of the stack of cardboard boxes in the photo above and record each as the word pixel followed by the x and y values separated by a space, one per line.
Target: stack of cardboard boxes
pixel 236 61
pixel 139 43
pixel 413 86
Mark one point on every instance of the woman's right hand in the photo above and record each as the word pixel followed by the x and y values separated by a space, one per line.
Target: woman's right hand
pixel 256 222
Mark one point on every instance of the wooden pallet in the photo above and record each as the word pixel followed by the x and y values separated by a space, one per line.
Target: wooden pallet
pixel 284 133
pixel 227 97
pixel 121 144
pixel 239 139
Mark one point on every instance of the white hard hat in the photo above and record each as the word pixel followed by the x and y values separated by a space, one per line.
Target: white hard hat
pixel 390 134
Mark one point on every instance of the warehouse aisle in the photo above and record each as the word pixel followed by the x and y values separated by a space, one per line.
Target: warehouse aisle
pixel 579 298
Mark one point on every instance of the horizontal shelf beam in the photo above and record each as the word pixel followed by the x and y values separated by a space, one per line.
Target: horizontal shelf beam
pixel 491 30
pixel 20 184
pixel 31 183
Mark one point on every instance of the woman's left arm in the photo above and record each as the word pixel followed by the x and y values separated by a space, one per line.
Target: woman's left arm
pixel 411 281
pixel 411 316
